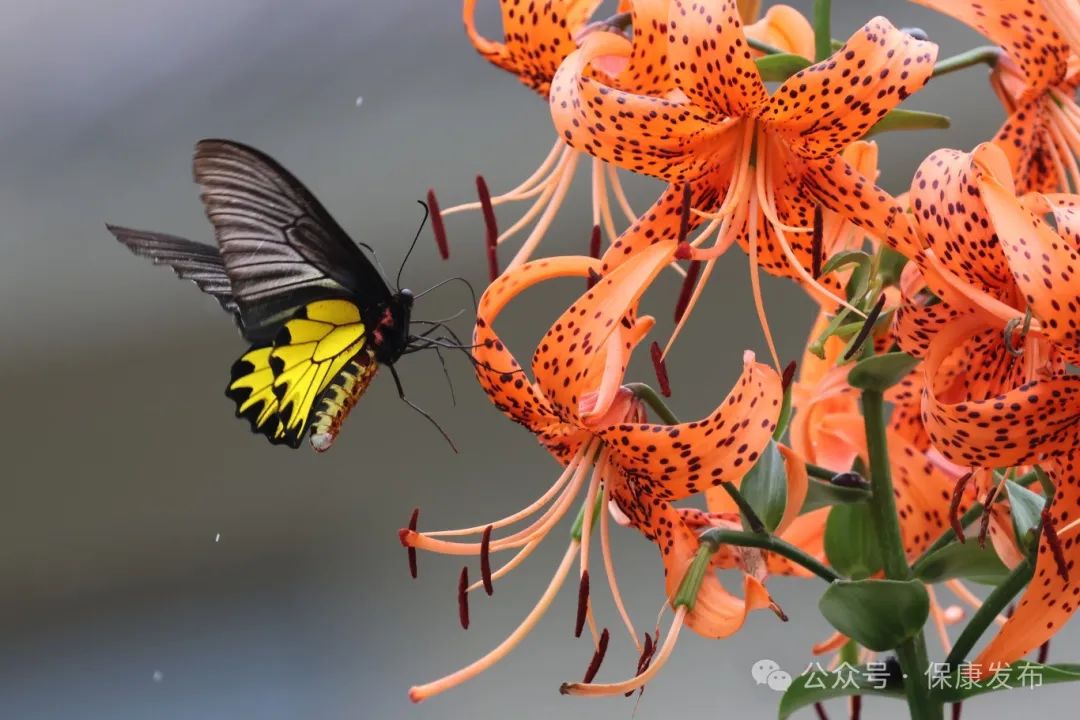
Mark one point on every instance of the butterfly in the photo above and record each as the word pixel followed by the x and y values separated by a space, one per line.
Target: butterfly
pixel 319 315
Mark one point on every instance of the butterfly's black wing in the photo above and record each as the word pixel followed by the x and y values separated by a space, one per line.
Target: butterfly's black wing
pixel 280 247
pixel 202 264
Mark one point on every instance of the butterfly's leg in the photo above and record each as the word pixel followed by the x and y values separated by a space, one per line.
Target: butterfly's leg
pixel 417 408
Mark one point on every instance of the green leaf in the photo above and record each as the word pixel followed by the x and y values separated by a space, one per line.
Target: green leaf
pixel 881 372
pixel 899 119
pixel 1027 510
pixel 877 614
pixel 890 265
pixel 820 493
pixel 963 560
pixel 858 283
pixel 781 66
pixel 851 543
pixel 954 687
pixel 843 259
pixel 765 486
pixel 814 687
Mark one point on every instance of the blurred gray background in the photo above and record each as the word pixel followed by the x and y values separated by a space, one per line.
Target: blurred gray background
pixel 159 561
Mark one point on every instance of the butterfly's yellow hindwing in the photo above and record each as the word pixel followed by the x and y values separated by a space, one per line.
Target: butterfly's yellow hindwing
pixel 276 387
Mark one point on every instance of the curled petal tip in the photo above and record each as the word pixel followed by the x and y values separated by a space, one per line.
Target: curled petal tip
pixel 748 357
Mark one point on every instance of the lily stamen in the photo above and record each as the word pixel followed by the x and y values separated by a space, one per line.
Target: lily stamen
pixel 640 679
pixel 419 693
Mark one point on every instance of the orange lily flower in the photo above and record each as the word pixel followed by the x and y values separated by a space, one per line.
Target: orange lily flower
pixel 757 164
pixel 1036 80
pixel 534 45
pixel 996 395
pixel 579 410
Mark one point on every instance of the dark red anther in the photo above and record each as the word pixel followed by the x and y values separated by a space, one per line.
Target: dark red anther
pixel 687 289
pixel 582 604
pixel 788 375
pixel 661 369
pixel 594 243
pixel 410 549
pixel 437 226
pixel 490 226
pixel 984 527
pixel 867 328
pixel 684 214
pixel 1050 533
pixel 1044 653
pixel 954 506
pixel 598 657
pixel 856 707
pixel 485 561
pixel 816 242
pixel 594 252
pixel 956 708
pixel 647 651
pixel 820 710
pixel 463 598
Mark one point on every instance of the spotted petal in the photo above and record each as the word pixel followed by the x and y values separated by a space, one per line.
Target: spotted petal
pixel 1014 427
pixel 1049 600
pixel 537 38
pixel 497 370
pixel 713 63
pixel 1025 32
pixel 670 139
pixel 1044 264
pixel 676 461
pixel 570 360
pixel 822 109
pixel 716 612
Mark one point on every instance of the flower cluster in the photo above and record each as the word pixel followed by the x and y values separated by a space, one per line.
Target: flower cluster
pixel 957 304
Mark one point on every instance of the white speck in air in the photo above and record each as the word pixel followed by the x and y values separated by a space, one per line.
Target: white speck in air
pixel 158 676
pixel 359 101
pixel 217 538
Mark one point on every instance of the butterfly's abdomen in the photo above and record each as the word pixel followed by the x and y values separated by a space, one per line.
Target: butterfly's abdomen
pixel 338 399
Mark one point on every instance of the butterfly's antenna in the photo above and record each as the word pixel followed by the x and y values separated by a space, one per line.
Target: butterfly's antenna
pixel 446 319
pixel 457 278
pixel 419 230
pixel 431 343
pixel 417 408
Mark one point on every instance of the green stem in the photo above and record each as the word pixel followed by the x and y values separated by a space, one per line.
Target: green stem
pixel 819 472
pixel 822 29
pixel 912 653
pixel 651 398
pixel 764 47
pixel 994 604
pixel 985 55
pixel 947 537
pixel 752 520
pixel 716 537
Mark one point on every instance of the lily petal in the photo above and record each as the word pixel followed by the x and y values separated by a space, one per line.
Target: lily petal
pixel 1049 600
pixel 1028 36
pixel 497 370
pixel 785 28
pixel 1044 264
pixel 1015 427
pixel 716 612
pixel 535 42
pixel 676 461
pixel 713 63
pixel 569 360
pixel 822 109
